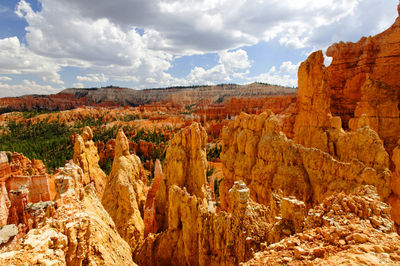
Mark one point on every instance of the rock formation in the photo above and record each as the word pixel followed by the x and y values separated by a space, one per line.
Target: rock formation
pixel 22 182
pixel 185 165
pixel 79 231
pixel 313 104
pixel 86 156
pixel 115 96
pixel 150 224
pixel 256 152
pixel 352 229
pixel 185 220
pixel 394 199
pixel 124 196
pixel 363 78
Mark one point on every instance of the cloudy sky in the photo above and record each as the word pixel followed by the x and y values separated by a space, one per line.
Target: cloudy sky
pixel 49 45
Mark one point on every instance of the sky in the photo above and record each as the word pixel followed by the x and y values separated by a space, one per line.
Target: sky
pixel 49 45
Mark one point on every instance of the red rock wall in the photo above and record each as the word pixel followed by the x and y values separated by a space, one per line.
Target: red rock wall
pixel 375 60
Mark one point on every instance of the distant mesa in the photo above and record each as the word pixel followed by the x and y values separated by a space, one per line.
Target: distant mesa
pixel 115 96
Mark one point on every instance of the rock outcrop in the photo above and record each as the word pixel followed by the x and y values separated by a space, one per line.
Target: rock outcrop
pixel 315 127
pixel 149 219
pixel 124 196
pixel 22 182
pixel 394 199
pixel 185 165
pixel 256 152
pixel 363 78
pixel 78 231
pixel 87 157
pixel 349 229
pixel 186 220
pixel 313 104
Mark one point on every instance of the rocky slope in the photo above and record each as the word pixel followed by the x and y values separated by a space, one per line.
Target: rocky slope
pixel 353 229
pixel 76 230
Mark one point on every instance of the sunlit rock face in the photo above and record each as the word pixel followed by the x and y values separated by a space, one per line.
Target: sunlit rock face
pixel 87 157
pixel 363 78
pixel 124 196
pixel 74 230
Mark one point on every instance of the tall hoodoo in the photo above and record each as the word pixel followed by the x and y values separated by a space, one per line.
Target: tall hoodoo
pixel 185 166
pixel 124 196
pixel 87 157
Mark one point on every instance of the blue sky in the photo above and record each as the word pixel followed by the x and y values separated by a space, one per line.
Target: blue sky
pixel 49 45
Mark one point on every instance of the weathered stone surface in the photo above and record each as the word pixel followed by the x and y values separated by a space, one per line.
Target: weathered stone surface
pixel 7 232
pixel 350 229
pixel 86 156
pixel 201 237
pixel 150 223
pixel 124 196
pixel 254 151
pixel 79 231
pixel 363 80
pixel 313 104
pixel 5 205
pixel 394 199
pixel 185 165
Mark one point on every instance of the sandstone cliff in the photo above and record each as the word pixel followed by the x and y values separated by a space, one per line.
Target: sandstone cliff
pixel 87 157
pixel 124 196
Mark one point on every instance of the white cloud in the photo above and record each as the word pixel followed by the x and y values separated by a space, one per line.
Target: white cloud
pixel 26 87
pixel 104 37
pixel 205 25
pixel 93 78
pixel 286 75
pixel 5 78
pixel 289 67
pixel 232 64
pixel 15 58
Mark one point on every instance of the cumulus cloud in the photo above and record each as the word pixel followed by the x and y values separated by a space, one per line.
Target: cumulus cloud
pixel 231 64
pixel 137 41
pixel 204 26
pixel 16 58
